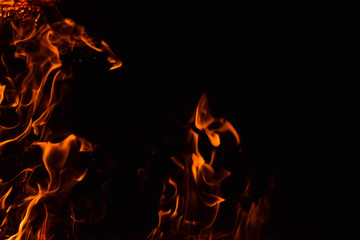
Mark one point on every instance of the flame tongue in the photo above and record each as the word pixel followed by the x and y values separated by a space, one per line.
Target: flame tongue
pixel 38 199
pixel 204 120
pixel 56 155
pixel 194 206
pixel 59 160
pixel 191 209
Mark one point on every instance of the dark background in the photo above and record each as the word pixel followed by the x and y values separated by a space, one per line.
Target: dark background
pixel 271 70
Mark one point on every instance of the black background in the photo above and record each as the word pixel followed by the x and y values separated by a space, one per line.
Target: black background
pixel 271 70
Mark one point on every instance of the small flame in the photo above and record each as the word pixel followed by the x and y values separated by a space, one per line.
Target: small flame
pixel 250 223
pixel 55 156
pixel 2 90
pixel 195 203
pixel 191 198
pixel 203 121
pixel 3 198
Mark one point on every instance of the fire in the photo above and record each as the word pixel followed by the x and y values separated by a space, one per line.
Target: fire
pixel 61 180
pixel 191 209
pixel 250 223
pixel 203 121
pixel 32 195
pixel 47 162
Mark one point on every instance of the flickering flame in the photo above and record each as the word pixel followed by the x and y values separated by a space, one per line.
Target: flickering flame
pixel 3 198
pixel 203 120
pixel 249 224
pixel 61 180
pixel 29 93
pixel 194 206
pixel 2 89
pixel 23 9
pixel 190 212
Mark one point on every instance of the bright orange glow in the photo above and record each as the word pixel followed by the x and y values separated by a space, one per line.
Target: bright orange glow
pixel 7 2
pixel 2 89
pixel 3 198
pixel 23 9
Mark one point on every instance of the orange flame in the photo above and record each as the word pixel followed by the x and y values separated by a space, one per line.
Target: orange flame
pixel 2 90
pixel 249 224
pixel 203 121
pixel 61 181
pixel 3 198
pixel 51 42
pixel 194 206
pixel 191 210
pixel 29 94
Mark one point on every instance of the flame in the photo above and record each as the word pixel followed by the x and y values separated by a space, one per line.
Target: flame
pixel 204 120
pixel 2 90
pixel 195 203
pixel 44 65
pixel 250 223
pixel 55 156
pixel 29 93
pixel 3 198
pixel 61 180
pixel 191 198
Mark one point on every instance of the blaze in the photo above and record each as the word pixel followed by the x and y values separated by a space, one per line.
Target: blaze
pixel 35 190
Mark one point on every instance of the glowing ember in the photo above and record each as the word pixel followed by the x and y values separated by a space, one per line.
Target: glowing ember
pixel 42 163
pixel 23 9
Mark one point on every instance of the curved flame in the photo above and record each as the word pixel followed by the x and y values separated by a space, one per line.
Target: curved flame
pixel 196 200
